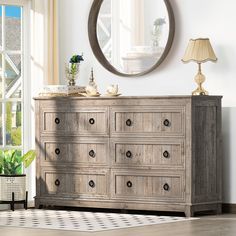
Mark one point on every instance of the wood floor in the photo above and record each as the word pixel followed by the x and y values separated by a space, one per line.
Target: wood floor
pixel 221 225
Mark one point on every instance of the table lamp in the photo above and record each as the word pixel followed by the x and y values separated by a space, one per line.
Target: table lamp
pixel 199 50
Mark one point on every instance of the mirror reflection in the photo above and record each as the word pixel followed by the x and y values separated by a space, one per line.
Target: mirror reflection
pixel 133 34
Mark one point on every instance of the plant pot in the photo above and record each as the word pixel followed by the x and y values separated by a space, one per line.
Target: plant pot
pixel 12 184
pixel 72 71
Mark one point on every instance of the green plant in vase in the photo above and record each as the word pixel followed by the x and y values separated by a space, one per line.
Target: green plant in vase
pixel 72 68
pixel 11 174
pixel 11 161
pixel 157 31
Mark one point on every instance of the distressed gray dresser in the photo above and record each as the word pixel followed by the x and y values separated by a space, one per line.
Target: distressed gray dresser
pixel 143 153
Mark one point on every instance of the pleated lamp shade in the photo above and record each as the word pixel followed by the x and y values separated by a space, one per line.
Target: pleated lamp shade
pixel 199 50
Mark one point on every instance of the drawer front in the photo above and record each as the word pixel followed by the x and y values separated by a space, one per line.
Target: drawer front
pixel 142 153
pixel 87 183
pixel 83 152
pixel 78 123
pixel 148 122
pixel 147 185
pixel 56 183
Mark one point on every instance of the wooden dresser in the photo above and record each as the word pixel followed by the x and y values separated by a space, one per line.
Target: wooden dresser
pixel 143 153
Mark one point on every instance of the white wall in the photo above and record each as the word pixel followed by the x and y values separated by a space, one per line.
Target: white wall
pixel 212 18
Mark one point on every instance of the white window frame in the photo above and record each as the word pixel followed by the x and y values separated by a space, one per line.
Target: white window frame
pixel 26 83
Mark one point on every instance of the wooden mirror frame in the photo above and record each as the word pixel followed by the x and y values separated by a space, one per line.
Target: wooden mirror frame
pixel 92 33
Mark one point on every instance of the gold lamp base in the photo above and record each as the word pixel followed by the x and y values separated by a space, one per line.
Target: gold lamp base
pixel 200 79
pixel 200 91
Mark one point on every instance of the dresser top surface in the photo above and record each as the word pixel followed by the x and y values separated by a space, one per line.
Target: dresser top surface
pixel 126 97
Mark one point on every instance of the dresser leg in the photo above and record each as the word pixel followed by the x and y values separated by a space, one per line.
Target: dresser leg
pixel 124 211
pixel 38 205
pixel 219 209
pixel 189 211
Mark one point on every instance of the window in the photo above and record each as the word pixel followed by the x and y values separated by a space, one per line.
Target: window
pixel 104 29
pixel 13 73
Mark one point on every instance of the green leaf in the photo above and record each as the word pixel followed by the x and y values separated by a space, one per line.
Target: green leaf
pixel 28 158
pixel 14 157
pixel 11 161
pixel 1 161
pixel 18 169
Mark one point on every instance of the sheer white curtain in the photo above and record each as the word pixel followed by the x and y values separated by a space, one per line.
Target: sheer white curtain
pixel 137 17
pixel 44 42
pixel 44 61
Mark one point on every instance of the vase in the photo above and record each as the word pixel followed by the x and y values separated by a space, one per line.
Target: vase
pixel 156 35
pixel 71 82
pixel 12 184
pixel 72 72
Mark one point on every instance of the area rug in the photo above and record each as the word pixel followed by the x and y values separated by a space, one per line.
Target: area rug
pixel 80 221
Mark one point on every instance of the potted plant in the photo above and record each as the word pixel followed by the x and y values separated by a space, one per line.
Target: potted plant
pixel 157 31
pixel 12 179
pixel 72 69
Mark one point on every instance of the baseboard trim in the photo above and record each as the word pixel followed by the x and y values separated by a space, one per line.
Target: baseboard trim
pixel 31 204
pixel 229 208
pixel 226 207
pixel 5 207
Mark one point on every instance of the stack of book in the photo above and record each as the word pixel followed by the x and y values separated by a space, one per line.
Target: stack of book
pixel 62 90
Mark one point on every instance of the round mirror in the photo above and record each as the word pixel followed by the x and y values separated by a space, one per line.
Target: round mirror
pixel 131 37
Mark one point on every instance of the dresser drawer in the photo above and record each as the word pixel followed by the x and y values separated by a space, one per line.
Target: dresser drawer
pixel 77 183
pixel 145 121
pixel 147 185
pixel 80 122
pixel 140 153
pixel 84 152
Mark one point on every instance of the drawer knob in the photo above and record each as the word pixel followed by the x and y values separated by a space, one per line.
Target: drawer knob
pixel 128 122
pixel 166 187
pixel 166 122
pixel 91 121
pixel 92 153
pixel 166 154
pixel 129 184
pixel 57 182
pixel 57 121
pixel 57 151
pixel 91 184
pixel 128 154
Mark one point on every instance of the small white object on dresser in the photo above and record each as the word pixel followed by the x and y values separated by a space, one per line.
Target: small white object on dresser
pixel 142 153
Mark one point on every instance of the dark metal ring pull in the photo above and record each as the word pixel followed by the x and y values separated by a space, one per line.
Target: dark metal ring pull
pixel 57 151
pixel 91 121
pixel 166 122
pixel 166 187
pixel 91 184
pixel 92 153
pixel 166 154
pixel 128 154
pixel 57 121
pixel 57 182
pixel 128 122
pixel 129 184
